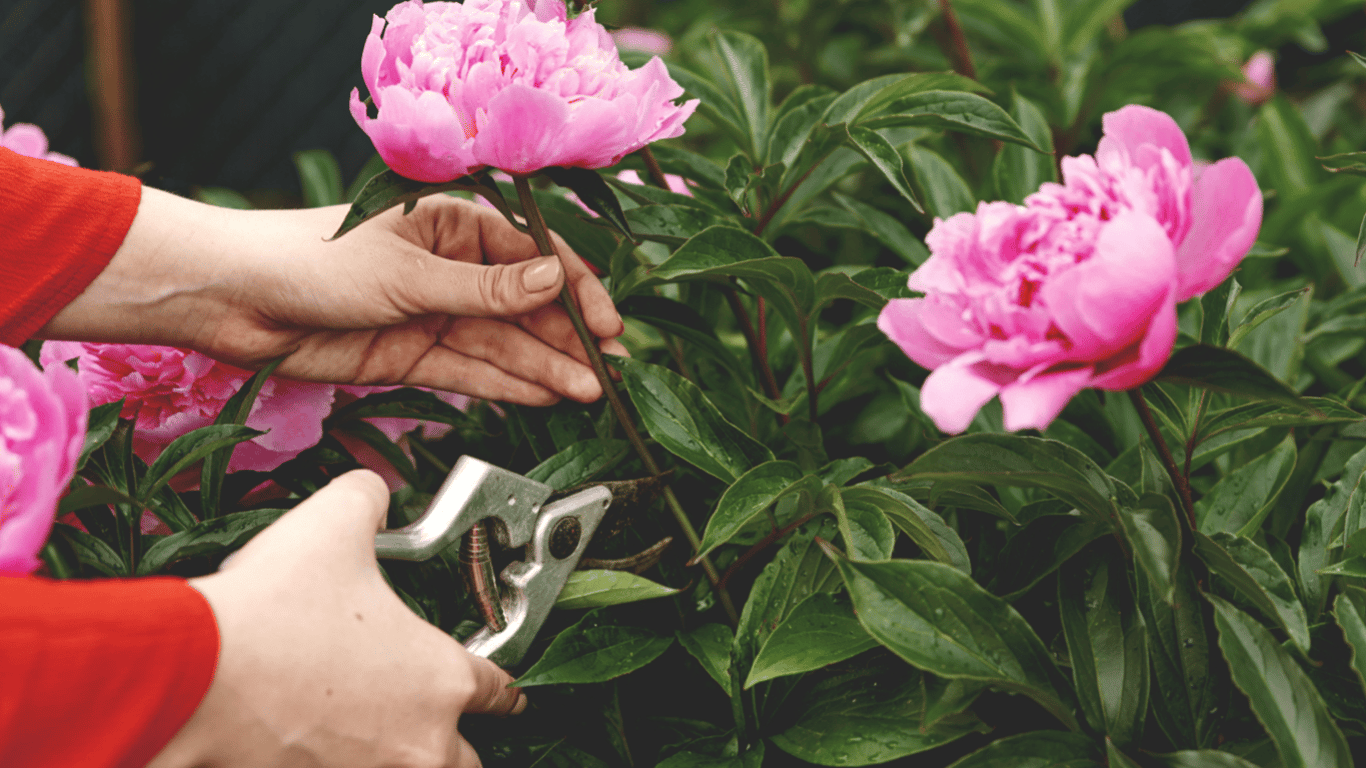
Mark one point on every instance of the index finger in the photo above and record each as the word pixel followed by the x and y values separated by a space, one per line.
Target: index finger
pixel 491 695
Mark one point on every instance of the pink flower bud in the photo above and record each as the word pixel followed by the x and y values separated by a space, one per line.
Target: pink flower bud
pixel 1077 287
pixel 1259 79
pixel 173 391
pixel 512 85
pixel 29 141
pixel 650 41
pixel 42 429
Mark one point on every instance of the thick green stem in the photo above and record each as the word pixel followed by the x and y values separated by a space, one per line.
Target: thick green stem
pixel 541 234
pixel 1164 453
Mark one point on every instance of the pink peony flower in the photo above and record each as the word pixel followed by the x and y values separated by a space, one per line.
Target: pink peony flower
pixel 509 84
pixel 42 429
pixel 650 41
pixel 1259 79
pixel 174 391
pixel 30 141
pixel 1078 287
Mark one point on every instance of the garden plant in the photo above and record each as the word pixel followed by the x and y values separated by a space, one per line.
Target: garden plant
pixel 995 390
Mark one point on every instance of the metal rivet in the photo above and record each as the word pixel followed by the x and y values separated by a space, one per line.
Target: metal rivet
pixel 512 500
pixel 564 538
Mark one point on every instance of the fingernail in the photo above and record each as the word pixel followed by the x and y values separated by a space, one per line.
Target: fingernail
pixel 521 704
pixel 540 276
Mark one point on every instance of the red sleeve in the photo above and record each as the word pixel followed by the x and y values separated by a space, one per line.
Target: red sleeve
pixel 99 673
pixel 59 227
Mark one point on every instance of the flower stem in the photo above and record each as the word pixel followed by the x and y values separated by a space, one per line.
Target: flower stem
pixel 652 166
pixel 961 52
pixel 541 234
pixel 1164 453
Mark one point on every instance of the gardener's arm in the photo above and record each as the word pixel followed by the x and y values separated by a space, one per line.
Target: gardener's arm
pixel 450 297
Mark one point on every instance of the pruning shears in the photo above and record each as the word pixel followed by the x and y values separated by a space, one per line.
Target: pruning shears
pixel 555 536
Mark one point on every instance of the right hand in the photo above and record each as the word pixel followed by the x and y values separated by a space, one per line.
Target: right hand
pixel 321 664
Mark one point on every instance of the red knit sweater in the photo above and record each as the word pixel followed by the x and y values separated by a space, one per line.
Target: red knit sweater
pixel 92 673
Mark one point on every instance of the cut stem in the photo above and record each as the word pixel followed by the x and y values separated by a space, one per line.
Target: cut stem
pixel 541 234
pixel 1164 453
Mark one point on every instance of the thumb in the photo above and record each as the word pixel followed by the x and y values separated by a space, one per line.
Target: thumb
pixel 488 290
pixel 336 524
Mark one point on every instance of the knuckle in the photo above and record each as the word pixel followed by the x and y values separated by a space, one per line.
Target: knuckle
pixel 499 289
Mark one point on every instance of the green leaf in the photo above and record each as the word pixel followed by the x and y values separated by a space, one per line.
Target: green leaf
pixel 1116 758
pixel 747 498
pixel 405 403
pixel 1350 611
pixel 929 531
pixel 669 224
pixel 953 111
pixel 1184 701
pixel 868 716
pixel 100 425
pixel 1262 311
pixel 91 551
pixel 221 535
pixel 866 531
pixel 880 152
pixel 1019 461
pixel 319 177
pixel 594 193
pixel 711 644
pixel 887 229
pixel 940 620
pixel 744 62
pixel 792 124
pixel 684 322
pixel 186 450
pixel 372 167
pixel 1107 645
pixel 821 630
pixel 838 285
pixel 1322 521
pixel 1288 146
pixel 1282 697
pixel 1354 567
pixel 1241 500
pixel 687 424
pixel 234 411
pixel 388 189
pixel 579 463
pixel 944 697
pixel 1039 749
pixel 885 98
pixel 596 649
pixel 946 193
pixel 1038 549
pixel 797 571
pixel 85 496
pixel 1228 372
pixel 1154 532
pixel 1216 305
pixel 223 198
pixel 1082 25
pixel 1259 415
pixel 596 589
pixel 1202 758
pixel 1019 171
pixel 1255 575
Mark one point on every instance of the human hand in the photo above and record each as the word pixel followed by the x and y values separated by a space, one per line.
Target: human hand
pixel 450 296
pixel 321 663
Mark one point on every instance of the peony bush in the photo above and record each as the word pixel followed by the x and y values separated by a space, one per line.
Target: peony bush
pixel 996 390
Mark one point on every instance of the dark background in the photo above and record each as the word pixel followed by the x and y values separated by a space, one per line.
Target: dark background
pixel 228 89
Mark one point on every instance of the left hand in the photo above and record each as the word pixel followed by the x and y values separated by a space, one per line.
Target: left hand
pixel 450 296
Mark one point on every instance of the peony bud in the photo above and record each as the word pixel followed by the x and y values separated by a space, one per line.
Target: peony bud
pixel 512 85
pixel 42 429
pixel 28 140
pixel 1259 79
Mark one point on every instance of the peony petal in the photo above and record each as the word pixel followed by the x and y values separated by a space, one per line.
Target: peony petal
pixel 956 391
pixel 1104 304
pixel 1142 361
pixel 1034 402
pixel 1131 127
pixel 1226 208
pixel 523 130
pixel 902 321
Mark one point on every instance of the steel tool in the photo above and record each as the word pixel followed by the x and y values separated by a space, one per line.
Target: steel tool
pixel 555 536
